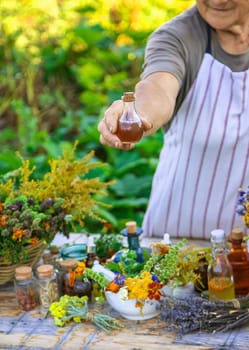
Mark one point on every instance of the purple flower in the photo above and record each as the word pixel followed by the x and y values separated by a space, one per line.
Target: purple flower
pixel 119 279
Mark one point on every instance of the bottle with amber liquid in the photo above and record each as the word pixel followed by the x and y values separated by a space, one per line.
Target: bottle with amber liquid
pixel 239 259
pixel 130 128
pixel 220 272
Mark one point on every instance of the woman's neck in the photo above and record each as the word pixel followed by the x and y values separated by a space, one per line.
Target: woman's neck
pixel 234 41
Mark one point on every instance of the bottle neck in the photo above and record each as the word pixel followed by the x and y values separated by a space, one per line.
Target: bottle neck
pixel 219 248
pixel 129 110
pixel 133 242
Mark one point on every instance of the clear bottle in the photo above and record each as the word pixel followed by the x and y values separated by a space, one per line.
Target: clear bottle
pixel 130 128
pixel 26 290
pixel 48 285
pixel 239 259
pixel 220 273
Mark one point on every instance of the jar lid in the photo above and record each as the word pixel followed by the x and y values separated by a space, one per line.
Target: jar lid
pixel 45 271
pixel 68 263
pixel 237 233
pixel 23 273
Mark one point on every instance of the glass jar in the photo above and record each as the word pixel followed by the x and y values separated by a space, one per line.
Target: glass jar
pixel 47 283
pixel 220 273
pixel 239 259
pixel 26 288
pixel 69 284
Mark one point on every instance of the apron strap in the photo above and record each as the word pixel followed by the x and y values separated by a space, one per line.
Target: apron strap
pixel 208 48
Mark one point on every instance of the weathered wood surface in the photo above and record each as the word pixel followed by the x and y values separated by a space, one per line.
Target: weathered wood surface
pixel 32 330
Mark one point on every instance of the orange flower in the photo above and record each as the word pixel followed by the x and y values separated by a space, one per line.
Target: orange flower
pixel 18 234
pixel 71 278
pixel 154 291
pixel 80 268
pixel 34 241
pixel 46 225
pixel 3 220
pixel 113 287
pixel 1 206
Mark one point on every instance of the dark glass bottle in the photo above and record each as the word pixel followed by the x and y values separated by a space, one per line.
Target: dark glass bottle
pixel 220 272
pixel 91 252
pixel 132 233
pixel 239 259
pixel 202 269
pixel 69 284
pixel 130 128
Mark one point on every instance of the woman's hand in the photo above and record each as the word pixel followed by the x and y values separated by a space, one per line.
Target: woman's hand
pixel 109 124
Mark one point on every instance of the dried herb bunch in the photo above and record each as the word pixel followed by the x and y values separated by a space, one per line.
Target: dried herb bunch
pixel 176 267
pixel 34 210
pixel 198 314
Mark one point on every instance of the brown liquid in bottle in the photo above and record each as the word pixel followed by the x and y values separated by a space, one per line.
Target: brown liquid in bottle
pixel 239 259
pixel 130 127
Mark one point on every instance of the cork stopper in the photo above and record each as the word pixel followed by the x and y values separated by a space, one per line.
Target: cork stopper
pixel 45 271
pixel 23 273
pixel 237 233
pixel 128 96
pixel 131 227
pixel 68 264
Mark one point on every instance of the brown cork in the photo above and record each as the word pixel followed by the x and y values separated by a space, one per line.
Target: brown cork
pixel 128 97
pixel 23 273
pixel 237 233
pixel 131 227
pixel 68 264
pixel 45 271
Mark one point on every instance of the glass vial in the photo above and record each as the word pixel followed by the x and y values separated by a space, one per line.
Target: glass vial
pixel 220 273
pixel 91 252
pixel 130 128
pixel 26 290
pixel 47 283
pixel 239 259
pixel 202 270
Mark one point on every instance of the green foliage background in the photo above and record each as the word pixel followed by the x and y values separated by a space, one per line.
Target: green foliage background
pixel 61 64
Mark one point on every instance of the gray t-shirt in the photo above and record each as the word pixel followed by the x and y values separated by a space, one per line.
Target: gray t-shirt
pixel 178 47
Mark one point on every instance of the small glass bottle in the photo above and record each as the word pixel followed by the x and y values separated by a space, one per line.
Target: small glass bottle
pixel 130 128
pixel 70 285
pixel 239 259
pixel 220 273
pixel 47 283
pixel 91 253
pixel 132 232
pixel 202 270
pixel 26 288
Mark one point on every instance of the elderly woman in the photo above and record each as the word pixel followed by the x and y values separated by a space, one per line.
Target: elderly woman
pixel 195 85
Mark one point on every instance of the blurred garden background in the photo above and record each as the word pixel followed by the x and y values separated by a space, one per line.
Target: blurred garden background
pixel 62 62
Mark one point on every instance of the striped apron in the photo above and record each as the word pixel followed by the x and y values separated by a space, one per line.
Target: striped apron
pixel 204 159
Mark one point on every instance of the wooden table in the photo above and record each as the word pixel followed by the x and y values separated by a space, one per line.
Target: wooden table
pixel 34 331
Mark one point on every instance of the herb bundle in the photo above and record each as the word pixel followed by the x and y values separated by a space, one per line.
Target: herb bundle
pixel 198 314
pixel 74 308
pixel 33 210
